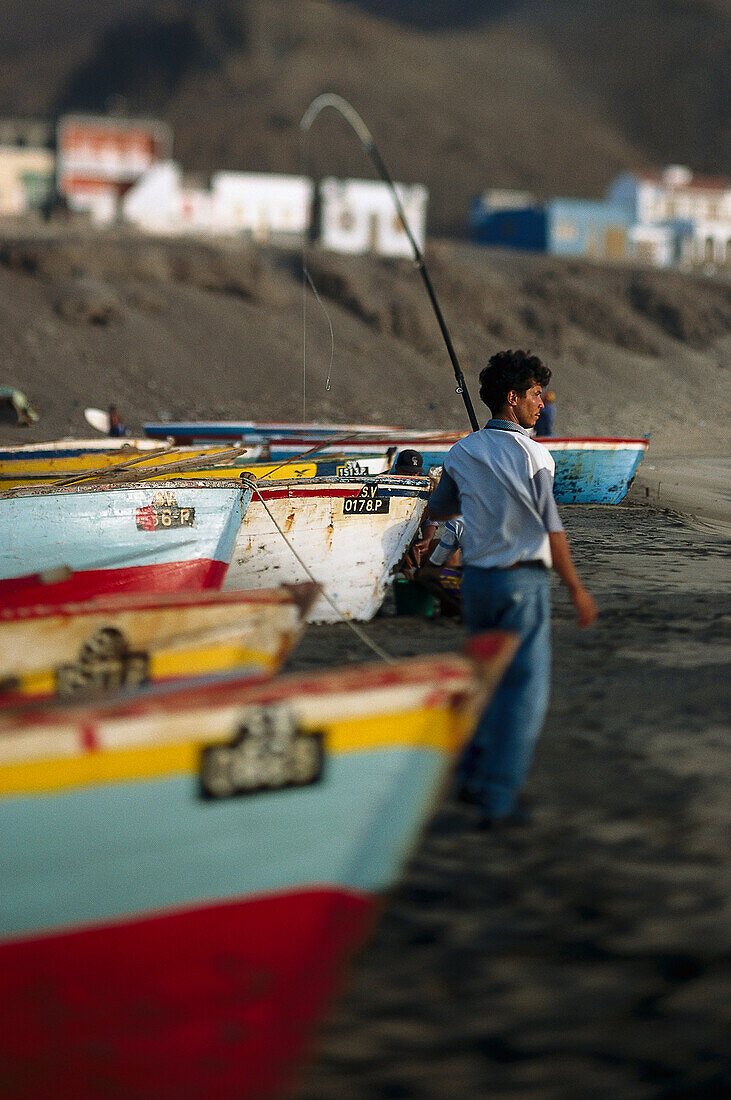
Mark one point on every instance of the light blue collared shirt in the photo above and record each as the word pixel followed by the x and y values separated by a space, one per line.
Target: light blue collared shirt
pixel 501 481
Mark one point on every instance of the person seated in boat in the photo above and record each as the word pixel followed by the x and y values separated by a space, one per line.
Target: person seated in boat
pixel 116 427
pixel 547 415
pixel 409 462
pixel 441 574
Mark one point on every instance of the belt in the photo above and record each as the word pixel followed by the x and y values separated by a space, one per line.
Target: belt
pixel 535 564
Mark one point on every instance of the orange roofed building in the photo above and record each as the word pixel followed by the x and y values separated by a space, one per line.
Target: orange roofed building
pixel 98 158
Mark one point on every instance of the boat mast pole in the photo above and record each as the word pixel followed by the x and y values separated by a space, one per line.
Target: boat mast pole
pixel 363 133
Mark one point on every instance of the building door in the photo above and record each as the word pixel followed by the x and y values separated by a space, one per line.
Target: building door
pixel 373 233
pixel 615 242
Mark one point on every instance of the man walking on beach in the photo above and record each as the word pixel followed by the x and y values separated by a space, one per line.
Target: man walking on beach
pixel 501 481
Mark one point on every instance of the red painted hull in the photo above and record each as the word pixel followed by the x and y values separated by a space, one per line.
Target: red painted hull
pixel 179 576
pixel 213 1002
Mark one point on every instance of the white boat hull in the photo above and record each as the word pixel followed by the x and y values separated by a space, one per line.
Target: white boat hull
pixel 350 551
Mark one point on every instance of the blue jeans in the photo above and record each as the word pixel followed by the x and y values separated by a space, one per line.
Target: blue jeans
pixel 495 764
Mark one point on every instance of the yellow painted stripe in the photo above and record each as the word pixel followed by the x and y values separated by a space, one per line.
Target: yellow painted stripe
pixel 436 729
pixel 198 660
pixel 93 460
pixel 167 664
pixel 37 683
pixel 274 471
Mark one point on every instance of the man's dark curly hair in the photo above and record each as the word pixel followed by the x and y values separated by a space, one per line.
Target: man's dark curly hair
pixel 510 370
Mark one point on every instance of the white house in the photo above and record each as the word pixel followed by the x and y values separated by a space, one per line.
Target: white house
pixel 266 206
pixel 361 216
pixel 153 202
pixel 694 210
pixel 674 193
pixel 161 202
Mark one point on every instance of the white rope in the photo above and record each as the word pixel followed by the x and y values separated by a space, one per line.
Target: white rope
pixel 373 646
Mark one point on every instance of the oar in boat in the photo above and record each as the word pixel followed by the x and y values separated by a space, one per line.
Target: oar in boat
pixel 115 476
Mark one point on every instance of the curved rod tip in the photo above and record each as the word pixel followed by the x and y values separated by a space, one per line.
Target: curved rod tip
pixel 330 99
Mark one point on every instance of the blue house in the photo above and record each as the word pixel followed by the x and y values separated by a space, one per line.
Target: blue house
pixel 511 226
pixel 596 230
pixel 561 227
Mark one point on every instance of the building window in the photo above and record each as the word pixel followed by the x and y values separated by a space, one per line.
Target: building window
pixel 346 221
pixel 566 230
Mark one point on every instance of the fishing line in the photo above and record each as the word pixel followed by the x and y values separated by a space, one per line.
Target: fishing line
pixel 351 116
pixel 373 646
pixel 327 316
pixel 307 279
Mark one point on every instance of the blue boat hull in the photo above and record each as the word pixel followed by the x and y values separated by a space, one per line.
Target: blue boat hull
pixel 588 471
pixel 595 471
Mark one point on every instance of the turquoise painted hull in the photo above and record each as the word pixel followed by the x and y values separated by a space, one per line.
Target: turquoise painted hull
pixel 594 472
pixel 97 854
pixel 588 471
pixel 113 529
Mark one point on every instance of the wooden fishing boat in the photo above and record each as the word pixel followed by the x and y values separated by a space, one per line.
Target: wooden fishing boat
pixel 184 879
pixel 285 440
pixel 165 465
pixel 258 431
pixel 594 471
pixel 349 533
pixel 102 646
pixel 68 448
pixel 42 467
pixel 588 471
pixel 70 544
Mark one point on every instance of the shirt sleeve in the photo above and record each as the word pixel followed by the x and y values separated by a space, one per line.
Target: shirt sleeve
pixel 447 545
pixel 444 501
pixel 546 503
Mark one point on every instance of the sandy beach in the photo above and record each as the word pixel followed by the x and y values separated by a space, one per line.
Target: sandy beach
pixel 583 956
pixel 586 954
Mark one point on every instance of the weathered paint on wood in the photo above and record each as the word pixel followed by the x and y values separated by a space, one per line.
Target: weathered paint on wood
pixel 222 917
pixel 211 930
pixel 141 537
pixel 96 648
pixel 351 554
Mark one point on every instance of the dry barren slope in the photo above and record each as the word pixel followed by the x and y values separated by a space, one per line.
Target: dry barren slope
pixel 195 330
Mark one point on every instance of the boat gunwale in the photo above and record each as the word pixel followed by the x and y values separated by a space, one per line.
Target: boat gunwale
pixel 49 489
pixel 435 670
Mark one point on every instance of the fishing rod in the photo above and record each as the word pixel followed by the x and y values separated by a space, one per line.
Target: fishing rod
pixel 351 116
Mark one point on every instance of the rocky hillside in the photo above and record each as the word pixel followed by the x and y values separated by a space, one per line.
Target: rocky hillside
pixel 184 329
